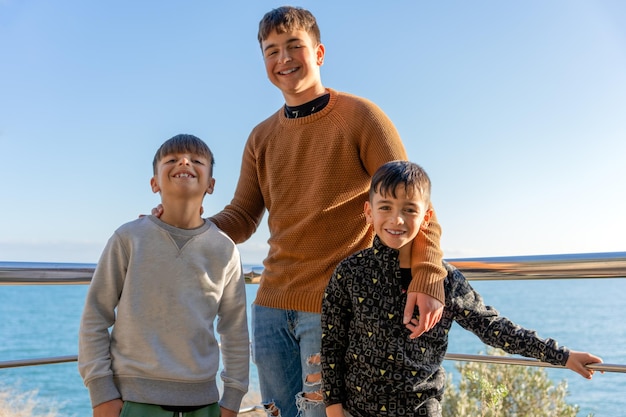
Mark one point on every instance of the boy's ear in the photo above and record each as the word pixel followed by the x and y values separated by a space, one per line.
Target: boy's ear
pixel 320 51
pixel 211 186
pixel 367 209
pixel 427 216
pixel 154 185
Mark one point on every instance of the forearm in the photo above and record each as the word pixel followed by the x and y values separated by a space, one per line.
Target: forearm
pixel 99 314
pixel 499 332
pixel 232 326
pixel 427 262
pixel 240 219
pixel 335 324
pixel 236 222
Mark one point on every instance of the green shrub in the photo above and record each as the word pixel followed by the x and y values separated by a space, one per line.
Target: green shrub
pixel 498 390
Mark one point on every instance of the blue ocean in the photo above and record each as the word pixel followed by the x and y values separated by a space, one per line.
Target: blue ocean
pixel 584 314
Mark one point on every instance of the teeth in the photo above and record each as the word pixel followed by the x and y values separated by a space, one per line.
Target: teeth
pixel 395 232
pixel 183 175
pixel 287 72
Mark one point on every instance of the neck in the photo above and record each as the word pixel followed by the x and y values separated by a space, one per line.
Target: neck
pixel 303 97
pixel 182 214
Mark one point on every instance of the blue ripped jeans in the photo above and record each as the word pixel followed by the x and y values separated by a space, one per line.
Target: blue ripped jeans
pixel 285 349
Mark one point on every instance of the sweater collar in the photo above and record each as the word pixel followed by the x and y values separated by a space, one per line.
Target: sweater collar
pixel 334 95
pixel 307 109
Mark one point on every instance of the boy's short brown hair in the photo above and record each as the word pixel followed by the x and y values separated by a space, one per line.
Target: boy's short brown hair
pixel 288 18
pixel 181 144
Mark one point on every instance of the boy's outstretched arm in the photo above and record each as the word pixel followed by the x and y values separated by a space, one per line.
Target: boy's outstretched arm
pixel 577 361
pixel 426 289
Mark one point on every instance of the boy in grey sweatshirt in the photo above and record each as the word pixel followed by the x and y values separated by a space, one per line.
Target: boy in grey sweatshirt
pixel 147 342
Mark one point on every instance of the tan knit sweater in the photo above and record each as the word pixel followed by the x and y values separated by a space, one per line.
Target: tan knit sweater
pixel 313 174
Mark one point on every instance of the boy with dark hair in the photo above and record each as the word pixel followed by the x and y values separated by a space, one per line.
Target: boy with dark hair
pixel 160 285
pixel 370 365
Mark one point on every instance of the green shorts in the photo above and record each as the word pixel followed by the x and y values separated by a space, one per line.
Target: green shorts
pixel 131 409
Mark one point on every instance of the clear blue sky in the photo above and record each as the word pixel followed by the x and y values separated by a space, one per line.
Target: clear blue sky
pixel 516 109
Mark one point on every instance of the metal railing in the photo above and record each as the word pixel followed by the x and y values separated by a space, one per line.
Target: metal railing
pixel 568 266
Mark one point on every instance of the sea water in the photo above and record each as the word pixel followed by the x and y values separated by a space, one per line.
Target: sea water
pixel 39 321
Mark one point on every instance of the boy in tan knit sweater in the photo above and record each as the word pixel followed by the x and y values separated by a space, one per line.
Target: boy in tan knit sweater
pixel 309 164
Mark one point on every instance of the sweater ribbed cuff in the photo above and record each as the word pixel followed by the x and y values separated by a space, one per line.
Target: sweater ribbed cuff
pixel 428 279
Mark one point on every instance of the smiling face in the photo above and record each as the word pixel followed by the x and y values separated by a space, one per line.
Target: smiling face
pixel 292 62
pixel 183 174
pixel 397 218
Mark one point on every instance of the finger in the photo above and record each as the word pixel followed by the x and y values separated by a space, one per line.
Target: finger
pixel 430 320
pixel 419 330
pixel 409 307
pixel 412 326
pixel 437 317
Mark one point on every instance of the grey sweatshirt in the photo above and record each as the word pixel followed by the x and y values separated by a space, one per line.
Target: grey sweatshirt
pixel 147 329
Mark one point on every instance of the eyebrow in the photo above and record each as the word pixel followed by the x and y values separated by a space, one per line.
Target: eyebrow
pixel 391 199
pixel 273 45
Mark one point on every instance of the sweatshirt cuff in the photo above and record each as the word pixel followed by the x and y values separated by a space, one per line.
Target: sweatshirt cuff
pixel 231 399
pixel 102 390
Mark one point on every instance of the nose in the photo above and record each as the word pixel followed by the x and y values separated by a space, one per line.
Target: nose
pixel 284 56
pixel 398 218
pixel 184 160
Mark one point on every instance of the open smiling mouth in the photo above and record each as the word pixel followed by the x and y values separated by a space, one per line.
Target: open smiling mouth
pixel 395 232
pixel 287 72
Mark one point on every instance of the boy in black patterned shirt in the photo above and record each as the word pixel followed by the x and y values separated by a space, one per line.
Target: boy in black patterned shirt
pixel 370 365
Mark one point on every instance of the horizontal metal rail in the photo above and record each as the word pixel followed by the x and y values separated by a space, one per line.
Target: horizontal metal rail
pixel 568 266
pixel 37 361
pixel 504 360
pixel 48 273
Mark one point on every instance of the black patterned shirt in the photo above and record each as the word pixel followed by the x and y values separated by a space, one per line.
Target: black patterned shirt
pixel 369 363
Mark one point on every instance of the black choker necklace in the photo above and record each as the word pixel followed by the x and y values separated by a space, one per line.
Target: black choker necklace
pixel 307 109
